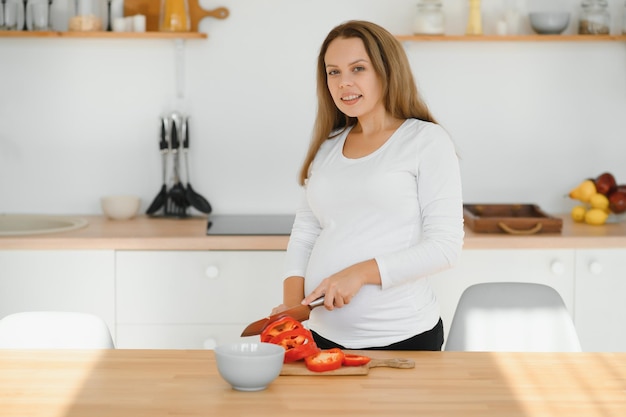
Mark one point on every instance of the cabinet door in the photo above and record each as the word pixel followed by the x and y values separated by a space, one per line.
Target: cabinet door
pixel 551 267
pixel 64 280
pixel 190 299
pixel 600 314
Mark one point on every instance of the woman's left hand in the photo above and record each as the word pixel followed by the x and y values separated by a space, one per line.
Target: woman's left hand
pixel 339 288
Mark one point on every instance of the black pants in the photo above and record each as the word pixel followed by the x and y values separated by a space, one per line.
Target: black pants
pixel 429 340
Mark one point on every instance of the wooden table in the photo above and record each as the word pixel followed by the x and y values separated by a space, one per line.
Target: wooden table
pixel 136 383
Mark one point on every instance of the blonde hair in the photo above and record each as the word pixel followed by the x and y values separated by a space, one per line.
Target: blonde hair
pixel 392 66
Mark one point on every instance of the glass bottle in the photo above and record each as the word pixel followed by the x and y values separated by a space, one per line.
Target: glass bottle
pixel 174 16
pixel 474 21
pixel 430 19
pixel 595 18
pixel 624 19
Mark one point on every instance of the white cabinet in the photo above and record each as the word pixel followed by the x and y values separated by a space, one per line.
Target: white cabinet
pixel 69 280
pixel 193 299
pixel 601 299
pixel 197 299
pixel 551 267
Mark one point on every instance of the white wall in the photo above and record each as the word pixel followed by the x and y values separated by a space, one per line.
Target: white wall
pixel 78 117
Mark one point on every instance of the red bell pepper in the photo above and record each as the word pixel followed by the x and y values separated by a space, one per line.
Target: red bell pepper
pixel 351 359
pixel 298 344
pixel 278 326
pixel 325 360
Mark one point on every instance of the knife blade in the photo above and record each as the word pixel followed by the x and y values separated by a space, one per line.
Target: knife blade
pixel 300 313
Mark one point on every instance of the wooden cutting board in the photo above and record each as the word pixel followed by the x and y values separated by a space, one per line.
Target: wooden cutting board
pixel 152 9
pixel 299 368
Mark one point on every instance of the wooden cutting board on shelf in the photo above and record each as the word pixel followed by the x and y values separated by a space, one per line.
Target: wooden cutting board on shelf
pixel 299 368
pixel 152 9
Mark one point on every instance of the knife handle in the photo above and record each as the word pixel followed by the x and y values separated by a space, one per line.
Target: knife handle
pixel 186 133
pixel 316 303
pixel 174 135
pixel 163 141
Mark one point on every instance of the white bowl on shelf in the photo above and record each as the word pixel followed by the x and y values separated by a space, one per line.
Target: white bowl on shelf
pixel 120 207
pixel 549 23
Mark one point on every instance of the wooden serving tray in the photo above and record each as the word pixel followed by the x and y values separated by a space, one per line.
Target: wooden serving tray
pixel 515 219
pixel 152 10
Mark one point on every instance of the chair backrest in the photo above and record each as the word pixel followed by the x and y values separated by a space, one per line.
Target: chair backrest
pixel 54 330
pixel 512 316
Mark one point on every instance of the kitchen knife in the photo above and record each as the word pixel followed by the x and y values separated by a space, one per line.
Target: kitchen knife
pixel 300 313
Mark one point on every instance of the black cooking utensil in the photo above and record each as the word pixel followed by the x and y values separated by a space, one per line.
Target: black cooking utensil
pixel 161 197
pixel 25 26
pixel 109 16
pixel 176 198
pixel 196 200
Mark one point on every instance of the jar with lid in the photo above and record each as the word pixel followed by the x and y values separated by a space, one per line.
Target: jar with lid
pixel 86 16
pixel 174 16
pixel 429 19
pixel 595 18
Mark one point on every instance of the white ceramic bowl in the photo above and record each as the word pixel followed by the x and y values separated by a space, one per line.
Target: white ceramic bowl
pixel 549 23
pixel 120 207
pixel 249 366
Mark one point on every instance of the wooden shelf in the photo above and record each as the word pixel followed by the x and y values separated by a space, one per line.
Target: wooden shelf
pixel 511 38
pixel 105 35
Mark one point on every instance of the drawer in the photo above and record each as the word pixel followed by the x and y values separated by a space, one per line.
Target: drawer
pixel 197 287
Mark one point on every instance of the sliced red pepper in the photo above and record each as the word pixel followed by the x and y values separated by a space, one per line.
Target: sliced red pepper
pixel 350 359
pixel 298 344
pixel 278 326
pixel 325 360
pixel 301 352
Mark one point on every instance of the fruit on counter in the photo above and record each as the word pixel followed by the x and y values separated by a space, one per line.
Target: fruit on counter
pixel 596 216
pixel 602 195
pixel 578 213
pixel 599 201
pixel 605 183
pixel 617 201
pixel 583 191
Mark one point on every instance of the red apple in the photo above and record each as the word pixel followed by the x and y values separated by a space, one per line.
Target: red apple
pixel 605 183
pixel 617 201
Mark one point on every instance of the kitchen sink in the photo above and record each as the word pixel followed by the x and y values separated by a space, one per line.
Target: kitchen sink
pixel 31 224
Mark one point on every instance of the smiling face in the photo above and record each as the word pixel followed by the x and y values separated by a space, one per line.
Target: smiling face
pixel 351 79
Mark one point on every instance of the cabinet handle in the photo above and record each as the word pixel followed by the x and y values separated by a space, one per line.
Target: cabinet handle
pixel 595 267
pixel 212 271
pixel 557 267
pixel 210 343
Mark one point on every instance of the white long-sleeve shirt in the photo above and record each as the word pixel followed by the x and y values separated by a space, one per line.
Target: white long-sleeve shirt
pixel 400 205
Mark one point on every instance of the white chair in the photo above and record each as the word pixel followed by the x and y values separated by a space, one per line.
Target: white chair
pixel 54 330
pixel 510 317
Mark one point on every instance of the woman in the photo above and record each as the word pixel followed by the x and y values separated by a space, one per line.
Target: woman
pixel 383 207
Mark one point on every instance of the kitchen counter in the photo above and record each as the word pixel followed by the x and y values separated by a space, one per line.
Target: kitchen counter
pixel 136 383
pixel 146 233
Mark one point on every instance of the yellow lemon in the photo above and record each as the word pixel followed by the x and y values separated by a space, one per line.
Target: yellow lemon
pixel 599 201
pixel 583 191
pixel 596 216
pixel 578 213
